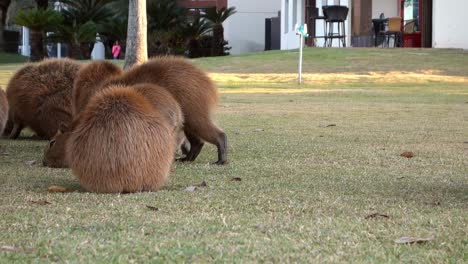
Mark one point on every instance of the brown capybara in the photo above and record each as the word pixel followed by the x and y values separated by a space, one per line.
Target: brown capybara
pixel 3 110
pixel 194 91
pixel 89 80
pixel 54 154
pixel 39 96
pixel 121 143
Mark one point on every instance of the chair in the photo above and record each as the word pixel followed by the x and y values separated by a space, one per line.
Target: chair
pixel 335 14
pixel 409 26
pixel 393 30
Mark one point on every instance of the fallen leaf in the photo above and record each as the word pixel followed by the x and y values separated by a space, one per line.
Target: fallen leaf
pixel 40 202
pixel 259 130
pixel 3 152
pixel 401 178
pixel 30 163
pixel 203 184
pixel 59 189
pixel 413 240
pixel 407 154
pixel 236 179
pixel 10 248
pixel 190 189
pixel 152 208
pixel 374 215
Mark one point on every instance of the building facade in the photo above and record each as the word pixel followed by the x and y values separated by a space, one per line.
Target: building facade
pixel 427 23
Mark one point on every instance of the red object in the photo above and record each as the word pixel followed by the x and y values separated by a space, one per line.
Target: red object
pixel 412 40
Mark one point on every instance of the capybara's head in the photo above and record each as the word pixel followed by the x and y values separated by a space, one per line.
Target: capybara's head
pixel 54 153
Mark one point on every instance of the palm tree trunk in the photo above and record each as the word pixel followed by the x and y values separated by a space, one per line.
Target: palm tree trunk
pixel 217 48
pixel 136 49
pixel 37 47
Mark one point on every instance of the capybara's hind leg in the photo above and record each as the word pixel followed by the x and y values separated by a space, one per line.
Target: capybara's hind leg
pixel 212 134
pixel 196 146
pixel 8 128
pixel 15 132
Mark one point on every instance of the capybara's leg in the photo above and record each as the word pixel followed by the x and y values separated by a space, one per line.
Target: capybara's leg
pixel 15 132
pixel 8 128
pixel 212 134
pixel 196 146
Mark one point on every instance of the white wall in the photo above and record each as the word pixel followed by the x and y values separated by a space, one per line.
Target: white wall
pixel 449 24
pixel 245 30
pixel 289 39
pixel 388 7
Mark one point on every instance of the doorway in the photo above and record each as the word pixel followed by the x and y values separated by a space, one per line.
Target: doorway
pixel 417 26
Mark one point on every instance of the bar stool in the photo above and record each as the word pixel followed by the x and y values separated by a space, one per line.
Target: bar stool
pixel 335 15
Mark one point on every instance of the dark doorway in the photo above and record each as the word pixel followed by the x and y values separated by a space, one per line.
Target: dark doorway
pixel 361 23
pixel 426 24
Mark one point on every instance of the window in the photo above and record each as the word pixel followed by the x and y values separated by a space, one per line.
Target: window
pixel 286 16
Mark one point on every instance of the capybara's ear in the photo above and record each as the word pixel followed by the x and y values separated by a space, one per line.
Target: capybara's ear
pixel 62 128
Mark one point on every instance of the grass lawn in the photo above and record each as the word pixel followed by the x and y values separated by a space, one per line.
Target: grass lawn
pixel 314 161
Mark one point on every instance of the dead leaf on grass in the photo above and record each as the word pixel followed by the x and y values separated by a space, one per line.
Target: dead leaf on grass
pixel 30 163
pixel 413 240
pixel 40 202
pixel 152 208
pixel 59 189
pixel 375 215
pixel 190 189
pixel 236 179
pixel 329 125
pixel 10 248
pixel 3 152
pixel 407 154
pixel 203 184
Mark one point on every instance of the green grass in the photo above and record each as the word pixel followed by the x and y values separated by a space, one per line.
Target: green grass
pixel 306 188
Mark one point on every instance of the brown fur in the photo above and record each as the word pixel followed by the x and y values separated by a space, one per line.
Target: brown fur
pixel 86 84
pixel 121 143
pixel 54 154
pixel 39 96
pixel 89 80
pixel 3 110
pixel 194 91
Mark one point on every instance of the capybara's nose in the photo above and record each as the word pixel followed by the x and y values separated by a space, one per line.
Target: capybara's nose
pixel 44 163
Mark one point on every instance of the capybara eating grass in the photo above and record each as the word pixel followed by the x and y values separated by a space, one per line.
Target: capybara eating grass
pixel 121 143
pixel 3 110
pixel 196 94
pixel 54 154
pixel 39 97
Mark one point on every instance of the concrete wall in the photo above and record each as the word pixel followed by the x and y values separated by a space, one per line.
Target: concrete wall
pixel 388 7
pixel 245 30
pixel 449 24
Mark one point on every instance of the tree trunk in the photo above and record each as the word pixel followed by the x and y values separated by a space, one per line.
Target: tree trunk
pixel 37 47
pixel 217 48
pixel 136 50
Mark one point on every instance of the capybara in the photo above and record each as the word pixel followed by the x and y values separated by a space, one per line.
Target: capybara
pixel 39 96
pixel 121 143
pixel 3 110
pixel 194 91
pixel 86 84
pixel 89 80
pixel 54 154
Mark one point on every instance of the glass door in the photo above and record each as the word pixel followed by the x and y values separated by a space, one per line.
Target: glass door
pixel 411 11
